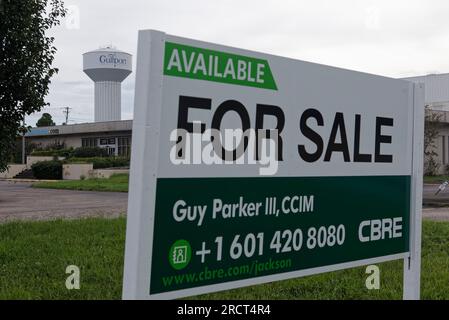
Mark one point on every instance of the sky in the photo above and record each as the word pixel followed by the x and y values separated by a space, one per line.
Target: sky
pixel 397 38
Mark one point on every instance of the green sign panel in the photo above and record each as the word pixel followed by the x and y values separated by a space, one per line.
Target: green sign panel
pixel 204 64
pixel 216 230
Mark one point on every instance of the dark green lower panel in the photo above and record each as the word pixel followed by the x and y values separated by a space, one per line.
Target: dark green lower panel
pixel 337 201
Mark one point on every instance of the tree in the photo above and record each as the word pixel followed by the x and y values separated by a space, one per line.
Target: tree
pixel 431 132
pixel 45 121
pixel 26 57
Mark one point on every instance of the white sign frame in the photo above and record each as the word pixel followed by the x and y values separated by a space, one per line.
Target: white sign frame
pixel 143 176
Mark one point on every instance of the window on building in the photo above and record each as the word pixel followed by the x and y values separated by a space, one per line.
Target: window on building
pixel 124 146
pixel 111 151
pixel 447 150
pixel 444 156
pixel 89 142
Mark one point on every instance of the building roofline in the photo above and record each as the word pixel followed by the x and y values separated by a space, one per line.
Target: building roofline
pixel 80 128
pixel 427 75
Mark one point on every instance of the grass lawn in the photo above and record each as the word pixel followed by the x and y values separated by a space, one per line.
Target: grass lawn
pixel 435 179
pixel 117 182
pixel 34 256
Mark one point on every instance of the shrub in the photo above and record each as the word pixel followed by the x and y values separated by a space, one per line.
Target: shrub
pixel 43 153
pixel 88 152
pixel 47 170
pixel 102 162
pixel 67 153
pixel 431 167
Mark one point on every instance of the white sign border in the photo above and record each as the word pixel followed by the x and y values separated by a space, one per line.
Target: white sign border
pixel 412 264
pixel 142 192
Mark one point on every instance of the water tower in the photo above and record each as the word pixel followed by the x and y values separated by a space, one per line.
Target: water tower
pixel 107 67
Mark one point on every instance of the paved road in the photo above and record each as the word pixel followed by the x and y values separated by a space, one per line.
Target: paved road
pixel 18 201
pixel 437 214
pixel 433 203
pixel 430 199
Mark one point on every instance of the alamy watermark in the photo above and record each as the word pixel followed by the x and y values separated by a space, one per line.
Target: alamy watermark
pixel 72 17
pixel 372 282
pixel 229 146
pixel 73 280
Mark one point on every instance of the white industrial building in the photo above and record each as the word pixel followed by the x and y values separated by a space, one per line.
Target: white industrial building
pixel 115 136
pixel 436 90
pixel 437 98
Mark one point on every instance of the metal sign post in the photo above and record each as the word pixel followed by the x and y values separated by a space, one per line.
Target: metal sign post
pixel 412 264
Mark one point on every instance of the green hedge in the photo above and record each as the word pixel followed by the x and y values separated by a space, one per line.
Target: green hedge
pixel 81 152
pixel 101 163
pixel 67 153
pixel 47 170
pixel 44 153
pixel 89 152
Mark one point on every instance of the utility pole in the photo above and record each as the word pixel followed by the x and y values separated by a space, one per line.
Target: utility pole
pixel 23 146
pixel 66 111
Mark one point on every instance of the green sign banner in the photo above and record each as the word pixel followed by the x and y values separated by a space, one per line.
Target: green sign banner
pixel 210 65
pixel 215 230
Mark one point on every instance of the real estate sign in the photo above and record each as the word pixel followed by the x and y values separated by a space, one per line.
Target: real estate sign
pixel 249 168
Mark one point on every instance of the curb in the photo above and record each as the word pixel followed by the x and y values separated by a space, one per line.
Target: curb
pixel 28 180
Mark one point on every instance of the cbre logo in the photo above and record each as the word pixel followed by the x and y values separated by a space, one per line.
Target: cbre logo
pixel 112 59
